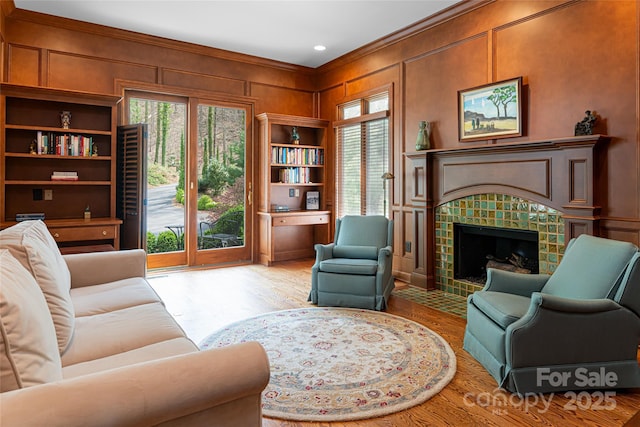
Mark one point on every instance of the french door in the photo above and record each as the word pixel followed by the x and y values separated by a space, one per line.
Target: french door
pixel 198 190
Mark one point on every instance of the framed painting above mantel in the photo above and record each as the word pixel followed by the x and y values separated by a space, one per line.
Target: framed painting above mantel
pixel 490 111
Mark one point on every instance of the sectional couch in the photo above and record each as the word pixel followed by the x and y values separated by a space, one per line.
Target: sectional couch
pixel 85 341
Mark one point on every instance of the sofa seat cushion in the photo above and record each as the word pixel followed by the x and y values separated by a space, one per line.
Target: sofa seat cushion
pixel 29 352
pixel 119 331
pixel 502 308
pixel 354 251
pixel 172 347
pixel 362 267
pixel 97 299
pixel 33 246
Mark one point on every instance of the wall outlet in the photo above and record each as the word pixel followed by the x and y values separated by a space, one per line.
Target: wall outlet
pixel 37 194
pixel 292 192
pixel 48 194
pixel 407 247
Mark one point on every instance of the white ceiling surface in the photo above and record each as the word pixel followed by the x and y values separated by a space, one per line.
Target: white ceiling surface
pixel 284 31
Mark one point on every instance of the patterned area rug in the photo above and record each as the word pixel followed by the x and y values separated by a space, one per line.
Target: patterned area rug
pixel 337 364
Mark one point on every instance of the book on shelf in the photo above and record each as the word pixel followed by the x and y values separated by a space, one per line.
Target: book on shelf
pixel 29 216
pixel 64 144
pixel 64 176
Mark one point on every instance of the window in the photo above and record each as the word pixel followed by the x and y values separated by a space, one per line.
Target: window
pixel 363 156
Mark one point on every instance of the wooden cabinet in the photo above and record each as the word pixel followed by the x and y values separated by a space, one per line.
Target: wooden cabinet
pixel 292 159
pixel 36 147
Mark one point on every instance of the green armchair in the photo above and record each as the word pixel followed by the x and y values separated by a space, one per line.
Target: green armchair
pixel 577 329
pixel 355 270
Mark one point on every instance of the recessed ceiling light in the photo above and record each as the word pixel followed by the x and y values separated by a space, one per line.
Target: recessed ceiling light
pixel 319 47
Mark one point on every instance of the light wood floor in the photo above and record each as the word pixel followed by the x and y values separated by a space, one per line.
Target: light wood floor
pixel 205 300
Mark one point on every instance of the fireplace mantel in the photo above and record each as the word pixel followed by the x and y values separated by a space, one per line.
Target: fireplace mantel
pixel 560 173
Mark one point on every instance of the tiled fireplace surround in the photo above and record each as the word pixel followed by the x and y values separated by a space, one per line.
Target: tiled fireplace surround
pixel 551 187
pixel 500 211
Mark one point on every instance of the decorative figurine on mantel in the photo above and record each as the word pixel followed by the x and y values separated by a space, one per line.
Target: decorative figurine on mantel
pixel 585 127
pixel 65 119
pixel 424 136
pixel 295 138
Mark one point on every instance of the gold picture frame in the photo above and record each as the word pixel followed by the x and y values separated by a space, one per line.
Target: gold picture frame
pixel 490 111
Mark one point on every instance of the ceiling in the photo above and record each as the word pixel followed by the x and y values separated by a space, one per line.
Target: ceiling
pixel 285 31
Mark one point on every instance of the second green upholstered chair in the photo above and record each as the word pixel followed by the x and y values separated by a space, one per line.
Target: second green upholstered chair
pixel 355 270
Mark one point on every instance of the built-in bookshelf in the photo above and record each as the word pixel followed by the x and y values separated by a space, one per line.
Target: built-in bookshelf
pixel 292 170
pixel 58 160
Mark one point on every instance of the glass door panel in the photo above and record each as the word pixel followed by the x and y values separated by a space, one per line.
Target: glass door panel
pixel 221 192
pixel 166 121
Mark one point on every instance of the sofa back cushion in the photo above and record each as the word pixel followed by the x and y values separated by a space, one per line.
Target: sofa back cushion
pixel 33 246
pixel 28 346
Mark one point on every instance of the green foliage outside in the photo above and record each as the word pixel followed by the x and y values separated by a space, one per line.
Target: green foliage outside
pixel 234 214
pixel 163 242
pixel 205 203
pixel 158 175
pixel 180 196
pixel 214 178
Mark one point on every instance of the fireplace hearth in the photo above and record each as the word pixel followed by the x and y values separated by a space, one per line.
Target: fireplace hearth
pixel 478 247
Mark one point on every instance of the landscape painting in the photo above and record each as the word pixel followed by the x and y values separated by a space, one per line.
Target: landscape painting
pixel 490 111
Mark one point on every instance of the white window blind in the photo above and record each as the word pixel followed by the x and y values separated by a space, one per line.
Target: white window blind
pixel 363 156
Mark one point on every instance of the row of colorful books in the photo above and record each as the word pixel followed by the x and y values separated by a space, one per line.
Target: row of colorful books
pixel 64 144
pixel 295 176
pixel 297 156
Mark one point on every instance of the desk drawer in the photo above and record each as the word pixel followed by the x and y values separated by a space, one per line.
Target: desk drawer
pixel 300 220
pixel 72 234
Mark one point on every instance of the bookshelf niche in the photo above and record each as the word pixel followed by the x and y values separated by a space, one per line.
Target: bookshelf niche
pixel 292 204
pixel 58 162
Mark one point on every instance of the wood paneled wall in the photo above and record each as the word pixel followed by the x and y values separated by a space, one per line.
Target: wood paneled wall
pixel 573 56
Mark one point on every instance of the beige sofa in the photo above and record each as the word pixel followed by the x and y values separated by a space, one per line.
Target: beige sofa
pixel 85 341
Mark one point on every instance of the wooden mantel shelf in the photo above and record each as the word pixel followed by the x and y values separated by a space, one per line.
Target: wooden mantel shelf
pixel 561 173
pixel 517 146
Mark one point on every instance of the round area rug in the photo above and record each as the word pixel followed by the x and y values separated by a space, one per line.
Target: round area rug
pixel 336 364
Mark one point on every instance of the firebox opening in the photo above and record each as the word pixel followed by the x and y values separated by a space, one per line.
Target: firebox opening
pixel 479 247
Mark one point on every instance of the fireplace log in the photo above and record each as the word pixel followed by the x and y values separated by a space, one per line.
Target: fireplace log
pixel 506 266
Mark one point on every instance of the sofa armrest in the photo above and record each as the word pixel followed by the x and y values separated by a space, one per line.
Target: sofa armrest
pixel 514 283
pixel 102 267
pixel 181 388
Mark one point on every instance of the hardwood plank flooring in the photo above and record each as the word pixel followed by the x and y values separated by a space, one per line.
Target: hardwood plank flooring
pixel 203 301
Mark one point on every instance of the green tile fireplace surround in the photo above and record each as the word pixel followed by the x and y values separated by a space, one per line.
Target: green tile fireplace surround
pixel 553 187
pixel 501 211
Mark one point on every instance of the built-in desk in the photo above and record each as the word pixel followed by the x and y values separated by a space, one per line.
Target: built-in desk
pixel 291 235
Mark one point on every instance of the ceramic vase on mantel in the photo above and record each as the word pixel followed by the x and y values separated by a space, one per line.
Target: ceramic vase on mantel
pixel 424 135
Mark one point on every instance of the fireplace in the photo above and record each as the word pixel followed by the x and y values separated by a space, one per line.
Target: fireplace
pixel 476 248
pixel 549 186
pixel 501 212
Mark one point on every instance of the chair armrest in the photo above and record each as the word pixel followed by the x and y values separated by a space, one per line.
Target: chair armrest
pixel 102 267
pixel 571 305
pixel 323 251
pixel 573 331
pixel 384 253
pixel 514 283
pixel 150 393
